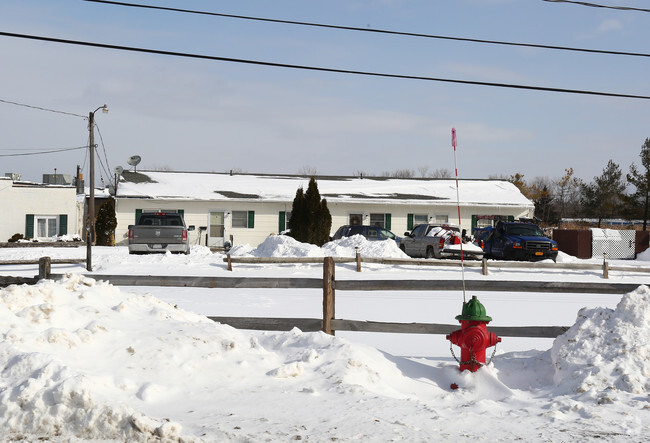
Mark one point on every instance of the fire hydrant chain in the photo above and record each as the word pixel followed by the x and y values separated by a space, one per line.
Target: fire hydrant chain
pixel 473 357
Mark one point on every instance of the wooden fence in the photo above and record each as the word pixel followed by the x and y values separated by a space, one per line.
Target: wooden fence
pixel 484 264
pixel 329 323
pixel 44 269
pixel 329 285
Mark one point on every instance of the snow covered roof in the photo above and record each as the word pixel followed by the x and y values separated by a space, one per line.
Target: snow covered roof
pixel 282 188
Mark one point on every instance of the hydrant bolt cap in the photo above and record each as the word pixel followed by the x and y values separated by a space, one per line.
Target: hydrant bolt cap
pixel 473 310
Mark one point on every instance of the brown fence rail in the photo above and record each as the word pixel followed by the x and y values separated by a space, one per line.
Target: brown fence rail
pixel 485 265
pixel 329 285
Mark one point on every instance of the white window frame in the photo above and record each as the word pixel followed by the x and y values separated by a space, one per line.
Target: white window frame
pixel 46 219
pixel 232 220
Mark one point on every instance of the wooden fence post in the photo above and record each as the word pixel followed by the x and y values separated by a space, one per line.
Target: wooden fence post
pixel 358 260
pixel 229 263
pixel 328 294
pixel 44 267
pixel 484 267
pixel 605 269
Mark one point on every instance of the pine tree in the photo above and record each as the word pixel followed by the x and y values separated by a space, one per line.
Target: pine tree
pixel 311 220
pixel 106 224
pixel 604 196
pixel 639 202
pixel 298 222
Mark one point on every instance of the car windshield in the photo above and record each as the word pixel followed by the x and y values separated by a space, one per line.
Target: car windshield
pixel 160 220
pixel 524 230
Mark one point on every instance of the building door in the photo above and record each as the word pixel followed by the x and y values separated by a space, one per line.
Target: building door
pixel 216 229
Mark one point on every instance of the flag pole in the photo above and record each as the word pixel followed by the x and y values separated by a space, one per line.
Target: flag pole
pixel 462 262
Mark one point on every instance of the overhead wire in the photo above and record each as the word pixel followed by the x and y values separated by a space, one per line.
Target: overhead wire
pixel 373 30
pixel 42 109
pixel 49 151
pixel 320 69
pixel 597 5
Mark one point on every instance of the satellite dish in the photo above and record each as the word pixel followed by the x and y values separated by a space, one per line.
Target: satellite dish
pixel 134 160
pixel 118 170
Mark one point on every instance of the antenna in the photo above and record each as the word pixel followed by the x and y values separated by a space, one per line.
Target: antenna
pixel 118 170
pixel 134 160
pixel 462 262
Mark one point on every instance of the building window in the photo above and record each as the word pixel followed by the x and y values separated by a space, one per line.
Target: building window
pixel 283 221
pixel 380 220
pixel 377 220
pixel 415 219
pixel 45 226
pixel 356 219
pixel 442 218
pixel 243 219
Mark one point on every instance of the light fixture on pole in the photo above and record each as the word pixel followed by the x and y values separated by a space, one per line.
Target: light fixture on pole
pixel 90 228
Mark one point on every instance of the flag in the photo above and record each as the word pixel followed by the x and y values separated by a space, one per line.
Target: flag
pixel 453 137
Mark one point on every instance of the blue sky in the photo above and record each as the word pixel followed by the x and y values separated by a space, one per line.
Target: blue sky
pixel 203 115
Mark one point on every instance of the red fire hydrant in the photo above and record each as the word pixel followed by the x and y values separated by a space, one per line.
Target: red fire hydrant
pixel 473 336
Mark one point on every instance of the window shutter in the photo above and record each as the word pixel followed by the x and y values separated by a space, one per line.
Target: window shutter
pixel 387 218
pixel 181 212
pixel 409 222
pixel 63 224
pixel 138 213
pixel 29 225
pixel 251 219
pixel 473 221
pixel 282 218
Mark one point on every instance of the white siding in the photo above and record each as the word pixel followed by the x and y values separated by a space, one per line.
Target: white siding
pixel 16 201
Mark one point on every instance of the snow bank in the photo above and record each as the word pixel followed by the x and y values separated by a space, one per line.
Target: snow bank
pixel 286 246
pixel 77 361
pixel 345 247
pixel 607 350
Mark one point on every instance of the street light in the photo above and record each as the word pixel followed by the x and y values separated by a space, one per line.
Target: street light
pixel 90 234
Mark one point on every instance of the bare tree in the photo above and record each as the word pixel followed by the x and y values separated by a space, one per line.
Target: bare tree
pixel 440 173
pixel 567 194
pixel 308 170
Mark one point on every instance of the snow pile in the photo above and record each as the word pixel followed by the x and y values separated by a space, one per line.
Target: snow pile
pixel 278 246
pixel 83 359
pixel 286 246
pixel 345 247
pixel 75 355
pixel 607 349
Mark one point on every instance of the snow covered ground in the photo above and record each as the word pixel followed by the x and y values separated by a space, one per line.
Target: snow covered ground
pixel 87 361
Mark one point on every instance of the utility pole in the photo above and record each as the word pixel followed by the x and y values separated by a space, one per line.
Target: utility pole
pixel 90 234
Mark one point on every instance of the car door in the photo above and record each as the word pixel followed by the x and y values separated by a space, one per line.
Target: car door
pixel 408 242
pixel 420 240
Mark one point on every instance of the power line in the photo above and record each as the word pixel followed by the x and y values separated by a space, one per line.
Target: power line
pixel 594 5
pixel 378 31
pixel 50 151
pixel 42 109
pixel 321 69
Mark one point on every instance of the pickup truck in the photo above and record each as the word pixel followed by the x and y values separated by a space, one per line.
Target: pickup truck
pixel 517 241
pixel 159 232
pixel 437 241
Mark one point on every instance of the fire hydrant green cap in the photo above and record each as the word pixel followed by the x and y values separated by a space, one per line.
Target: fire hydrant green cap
pixel 473 310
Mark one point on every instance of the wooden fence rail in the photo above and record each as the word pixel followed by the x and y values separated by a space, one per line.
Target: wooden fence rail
pixel 484 264
pixel 329 323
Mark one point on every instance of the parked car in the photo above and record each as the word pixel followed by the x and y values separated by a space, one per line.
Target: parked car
pixel 159 232
pixel 519 241
pixel 372 233
pixel 438 241
pixel 480 236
